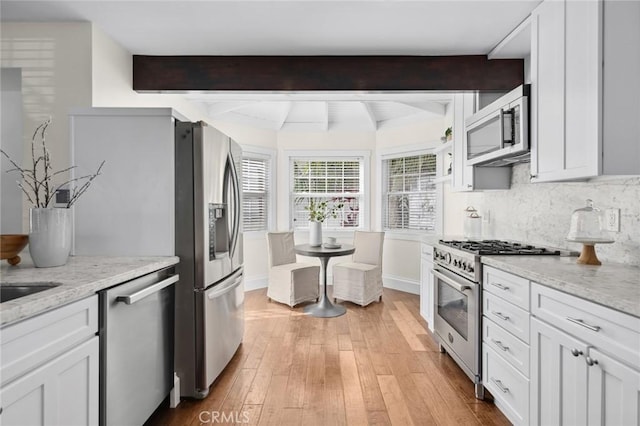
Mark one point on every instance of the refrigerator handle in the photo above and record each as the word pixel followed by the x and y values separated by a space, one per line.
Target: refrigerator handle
pixel 236 206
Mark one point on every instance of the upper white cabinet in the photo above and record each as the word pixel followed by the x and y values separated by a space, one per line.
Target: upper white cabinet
pixel 585 59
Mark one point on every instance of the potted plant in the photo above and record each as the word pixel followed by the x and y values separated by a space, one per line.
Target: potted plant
pixel 319 211
pixel 49 227
pixel 448 134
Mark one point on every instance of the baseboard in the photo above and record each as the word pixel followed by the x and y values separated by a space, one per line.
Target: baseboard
pixel 254 283
pixel 401 284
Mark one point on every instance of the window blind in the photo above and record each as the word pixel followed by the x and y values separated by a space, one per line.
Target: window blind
pixel 333 180
pixel 255 194
pixel 409 193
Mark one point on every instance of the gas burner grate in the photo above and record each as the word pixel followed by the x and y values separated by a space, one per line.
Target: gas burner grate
pixel 498 247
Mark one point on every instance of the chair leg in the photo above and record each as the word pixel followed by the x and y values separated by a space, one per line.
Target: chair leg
pixel 335 300
pixel 269 299
pixel 380 299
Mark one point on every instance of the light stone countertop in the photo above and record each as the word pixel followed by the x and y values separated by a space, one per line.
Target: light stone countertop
pixel 81 277
pixel 613 285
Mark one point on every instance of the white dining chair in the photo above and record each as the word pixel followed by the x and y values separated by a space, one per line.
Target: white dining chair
pixel 290 282
pixel 360 281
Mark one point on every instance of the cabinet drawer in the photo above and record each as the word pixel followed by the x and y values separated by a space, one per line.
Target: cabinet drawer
pixel 508 346
pixel 608 330
pixel 426 250
pixel 508 316
pixel 509 388
pixel 510 287
pixel 34 341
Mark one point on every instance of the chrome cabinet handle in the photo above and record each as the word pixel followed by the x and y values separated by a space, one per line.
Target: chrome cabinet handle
pixel 590 361
pixel 576 352
pixel 584 324
pixel 500 386
pixel 500 286
pixel 147 291
pixel 500 315
pixel 499 344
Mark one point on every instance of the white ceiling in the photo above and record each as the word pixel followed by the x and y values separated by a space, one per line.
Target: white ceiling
pixel 301 27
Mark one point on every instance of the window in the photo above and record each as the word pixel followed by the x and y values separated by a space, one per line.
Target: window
pixel 335 179
pixel 256 191
pixel 409 193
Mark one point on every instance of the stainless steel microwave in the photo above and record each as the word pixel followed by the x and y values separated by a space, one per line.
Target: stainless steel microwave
pixel 499 131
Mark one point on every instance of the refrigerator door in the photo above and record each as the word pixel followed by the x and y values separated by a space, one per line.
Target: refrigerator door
pixel 213 208
pixel 223 306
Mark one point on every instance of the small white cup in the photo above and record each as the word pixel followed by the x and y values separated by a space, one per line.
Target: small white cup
pixel 331 241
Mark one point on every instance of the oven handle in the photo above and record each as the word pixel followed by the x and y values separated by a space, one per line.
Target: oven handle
pixel 452 283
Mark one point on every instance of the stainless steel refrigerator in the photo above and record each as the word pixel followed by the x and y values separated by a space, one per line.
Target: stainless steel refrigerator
pixel 209 312
pixel 168 187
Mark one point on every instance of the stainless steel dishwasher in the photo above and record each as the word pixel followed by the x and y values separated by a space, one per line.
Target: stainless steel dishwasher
pixel 136 347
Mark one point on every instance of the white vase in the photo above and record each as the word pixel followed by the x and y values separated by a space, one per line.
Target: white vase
pixel 49 236
pixel 315 234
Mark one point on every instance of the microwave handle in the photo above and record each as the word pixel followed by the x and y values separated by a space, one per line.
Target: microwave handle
pixel 506 117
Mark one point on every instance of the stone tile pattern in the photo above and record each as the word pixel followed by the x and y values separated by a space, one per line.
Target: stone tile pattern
pixel 82 276
pixel 540 213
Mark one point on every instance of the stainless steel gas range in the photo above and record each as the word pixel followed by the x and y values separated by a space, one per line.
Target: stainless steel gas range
pixel 458 298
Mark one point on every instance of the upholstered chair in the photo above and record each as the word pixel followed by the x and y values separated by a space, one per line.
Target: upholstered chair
pixel 290 282
pixel 360 281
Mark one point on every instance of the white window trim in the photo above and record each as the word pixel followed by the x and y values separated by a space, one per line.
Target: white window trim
pixel 407 151
pixel 285 164
pixel 270 155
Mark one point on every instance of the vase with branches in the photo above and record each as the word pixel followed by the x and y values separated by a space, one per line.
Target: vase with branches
pixel 49 228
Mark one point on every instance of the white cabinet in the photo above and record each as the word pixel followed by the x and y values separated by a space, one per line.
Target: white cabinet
pixel 64 391
pixel 426 285
pixel 50 367
pixel 585 362
pixel 584 115
pixel 465 177
pixel 505 342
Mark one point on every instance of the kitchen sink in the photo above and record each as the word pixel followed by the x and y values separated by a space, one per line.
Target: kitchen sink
pixel 10 291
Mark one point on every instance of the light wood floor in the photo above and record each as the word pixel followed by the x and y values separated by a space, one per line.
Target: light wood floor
pixel 374 365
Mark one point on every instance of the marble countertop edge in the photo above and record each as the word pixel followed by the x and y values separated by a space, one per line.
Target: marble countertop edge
pixel 79 278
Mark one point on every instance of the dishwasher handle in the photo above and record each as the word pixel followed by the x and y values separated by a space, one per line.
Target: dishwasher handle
pixel 147 291
pixel 224 289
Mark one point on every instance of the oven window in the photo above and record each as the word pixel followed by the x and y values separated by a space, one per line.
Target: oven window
pixel 452 307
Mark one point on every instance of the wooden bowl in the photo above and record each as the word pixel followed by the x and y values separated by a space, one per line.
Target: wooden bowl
pixel 11 245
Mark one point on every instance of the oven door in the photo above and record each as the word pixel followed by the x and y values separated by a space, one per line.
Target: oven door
pixel 457 319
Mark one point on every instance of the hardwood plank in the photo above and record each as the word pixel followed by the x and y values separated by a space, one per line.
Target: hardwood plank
pixel 298 373
pixel 274 401
pixel 368 380
pixel 313 412
pixel 412 322
pixel 443 413
pixel 251 413
pixel 414 343
pixel 356 413
pixel 418 410
pixel 333 390
pixel 344 342
pixel 378 418
pixel 396 406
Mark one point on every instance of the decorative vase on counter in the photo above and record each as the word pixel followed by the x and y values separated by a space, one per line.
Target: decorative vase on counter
pixel 49 236
pixel 315 234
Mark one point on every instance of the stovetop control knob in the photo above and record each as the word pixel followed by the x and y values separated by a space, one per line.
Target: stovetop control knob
pixel 463 265
pixel 470 268
pixel 447 257
pixel 455 262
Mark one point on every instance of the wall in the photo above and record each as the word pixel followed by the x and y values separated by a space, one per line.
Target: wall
pixel 540 213
pixel 55 61
pixel 11 127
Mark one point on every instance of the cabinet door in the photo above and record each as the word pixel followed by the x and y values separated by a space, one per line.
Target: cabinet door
pixel 548 90
pixel 426 291
pixel 462 177
pixel 63 391
pixel 614 391
pixel 558 377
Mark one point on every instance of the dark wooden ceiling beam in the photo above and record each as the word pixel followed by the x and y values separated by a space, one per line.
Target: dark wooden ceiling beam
pixel 324 73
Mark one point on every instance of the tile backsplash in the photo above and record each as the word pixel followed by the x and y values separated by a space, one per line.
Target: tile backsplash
pixel 540 213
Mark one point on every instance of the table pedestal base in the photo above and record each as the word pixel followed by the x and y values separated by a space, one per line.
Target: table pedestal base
pixel 325 309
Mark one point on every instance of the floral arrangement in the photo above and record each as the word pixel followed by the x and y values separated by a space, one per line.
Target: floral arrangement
pixel 321 210
pixel 38 180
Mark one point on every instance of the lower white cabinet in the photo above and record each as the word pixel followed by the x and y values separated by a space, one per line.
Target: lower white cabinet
pixel 585 362
pixel 50 368
pixel 63 391
pixel 426 285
